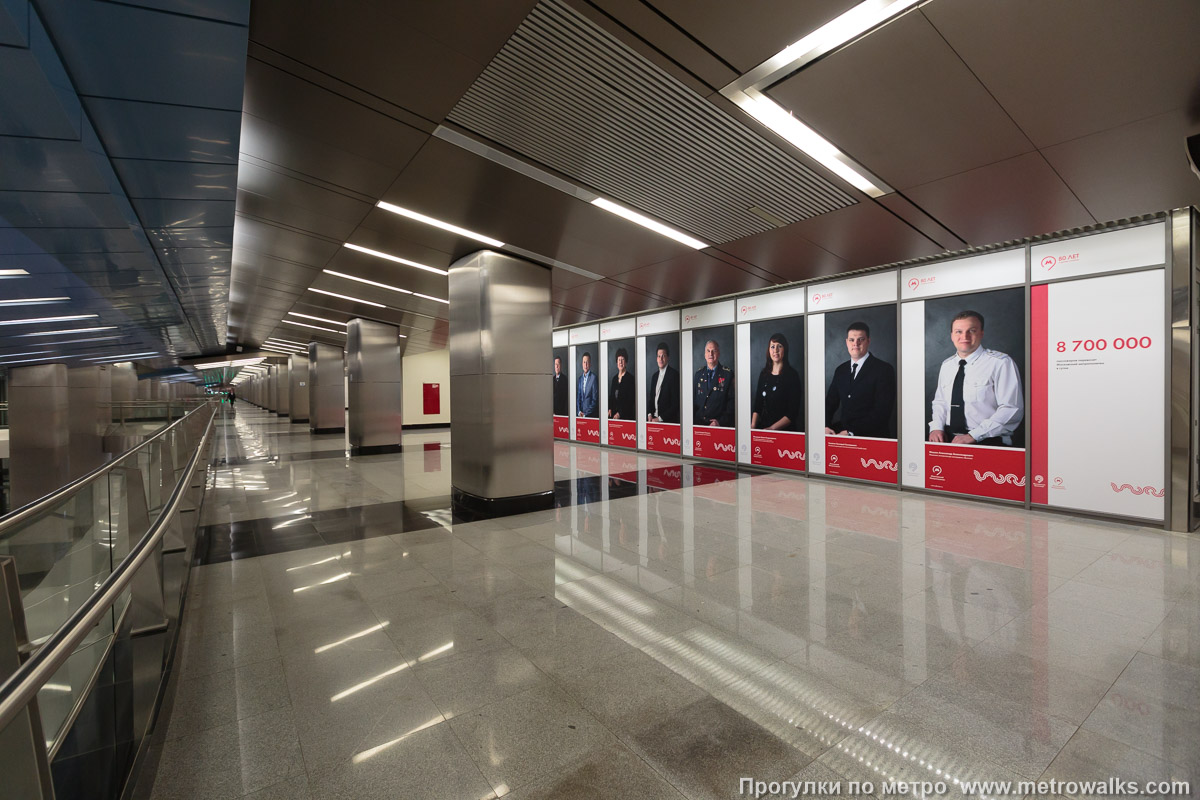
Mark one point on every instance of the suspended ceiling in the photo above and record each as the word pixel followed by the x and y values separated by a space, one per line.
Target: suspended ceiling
pixel 987 121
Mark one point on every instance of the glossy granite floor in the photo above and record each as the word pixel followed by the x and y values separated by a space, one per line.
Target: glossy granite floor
pixel 667 631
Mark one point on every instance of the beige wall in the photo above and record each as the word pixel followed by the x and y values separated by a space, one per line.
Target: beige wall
pixel 432 367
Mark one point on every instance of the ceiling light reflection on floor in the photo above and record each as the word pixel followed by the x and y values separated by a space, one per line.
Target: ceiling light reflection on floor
pixel 351 637
pixel 365 754
pixel 369 682
pixel 334 579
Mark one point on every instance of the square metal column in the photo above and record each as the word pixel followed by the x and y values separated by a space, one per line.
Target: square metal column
pixel 500 416
pixel 283 390
pixel 40 435
pixel 298 388
pixel 375 389
pixel 326 389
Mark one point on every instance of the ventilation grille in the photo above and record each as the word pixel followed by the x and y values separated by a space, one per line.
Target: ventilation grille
pixel 566 94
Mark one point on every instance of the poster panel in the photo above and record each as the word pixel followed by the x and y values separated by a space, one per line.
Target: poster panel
pixel 1097 392
pixel 772 392
pixel 968 354
pixel 587 395
pixel 562 395
pixel 854 368
pixel 662 398
pixel 620 401
pixel 712 394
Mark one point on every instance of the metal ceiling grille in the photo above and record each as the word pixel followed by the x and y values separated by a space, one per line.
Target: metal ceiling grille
pixel 566 94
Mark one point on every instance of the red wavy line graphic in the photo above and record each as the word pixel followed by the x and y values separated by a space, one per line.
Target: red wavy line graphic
pixel 870 462
pixel 1139 490
pixel 1007 477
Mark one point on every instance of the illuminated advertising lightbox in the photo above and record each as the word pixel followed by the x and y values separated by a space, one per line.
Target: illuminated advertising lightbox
pixel 620 400
pixel 711 393
pixel 561 383
pixel 587 394
pixel 853 393
pixel 966 356
pixel 772 392
pixel 1097 388
pixel 662 389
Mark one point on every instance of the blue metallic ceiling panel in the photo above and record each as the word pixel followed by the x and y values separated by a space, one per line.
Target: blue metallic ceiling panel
pixel 176 180
pixel 137 129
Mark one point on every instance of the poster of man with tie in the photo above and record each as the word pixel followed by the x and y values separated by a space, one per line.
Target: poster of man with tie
pixel 975 395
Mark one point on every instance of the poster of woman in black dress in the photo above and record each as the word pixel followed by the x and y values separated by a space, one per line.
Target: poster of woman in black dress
pixel 778 400
pixel 622 386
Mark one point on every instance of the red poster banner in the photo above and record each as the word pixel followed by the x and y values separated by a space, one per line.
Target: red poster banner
pixel 622 433
pixel 1039 350
pixel 971 469
pixel 562 427
pixel 716 443
pixel 861 457
pixel 663 437
pixel 783 449
pixel 587 429
pixel 431 398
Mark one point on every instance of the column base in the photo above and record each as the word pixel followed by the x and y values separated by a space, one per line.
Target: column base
pixel 299 419
pixel 375 449
pixel 472 507
pixel 319 431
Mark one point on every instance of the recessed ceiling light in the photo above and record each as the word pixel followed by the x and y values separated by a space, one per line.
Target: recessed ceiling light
pixel 69 330
pixel 431 297
pixel 277 349
pixel 12 273
pixel 241 362
pixel 804 138
pixel 396 259
pixel 850 25
pixel 364 280
pixel 437 223
pixel 34 301
pixel 315 327
pixel 318 319
pixel 646 222
pixel 33 360
pixel 122 358
pixel 286 341
pixel 39 320
pixel 348 297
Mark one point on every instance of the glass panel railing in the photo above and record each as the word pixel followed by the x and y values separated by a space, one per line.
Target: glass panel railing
pixel 67 545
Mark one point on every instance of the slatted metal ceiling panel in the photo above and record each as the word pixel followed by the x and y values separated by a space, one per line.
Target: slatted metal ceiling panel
pixel 566 94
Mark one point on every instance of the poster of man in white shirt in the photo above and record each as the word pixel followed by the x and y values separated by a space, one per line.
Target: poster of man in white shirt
pixel 977 396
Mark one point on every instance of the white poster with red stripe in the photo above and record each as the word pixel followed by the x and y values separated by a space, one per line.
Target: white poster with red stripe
pixel 1097 386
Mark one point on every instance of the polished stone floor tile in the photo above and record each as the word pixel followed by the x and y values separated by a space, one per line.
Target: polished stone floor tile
pixel 705 748
pixel 602 774
pixel 524 737
pixel 666 630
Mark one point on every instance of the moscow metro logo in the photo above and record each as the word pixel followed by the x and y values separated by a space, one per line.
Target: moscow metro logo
pixel 936 470
pixel 913 283
pixel 1048 262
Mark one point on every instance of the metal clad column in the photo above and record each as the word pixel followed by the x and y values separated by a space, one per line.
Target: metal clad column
pixel 375 388
pixel 326 389
pixel 283 388
pixel 83 400
pixel 272 388
pixel 40 442
pixel 298 388
pixel 500 418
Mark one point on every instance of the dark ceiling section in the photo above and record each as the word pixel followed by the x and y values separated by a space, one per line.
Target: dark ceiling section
pixel 114 165
pixel 993 121
pixel 162 84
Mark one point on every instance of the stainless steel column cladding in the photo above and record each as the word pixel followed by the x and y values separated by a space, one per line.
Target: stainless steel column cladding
pixel 283 388
pixel 124 383
pixel 83 424
pixel 375 388
pixel 40 442
pixel 326 388
pixel 500 406
pixel 298 388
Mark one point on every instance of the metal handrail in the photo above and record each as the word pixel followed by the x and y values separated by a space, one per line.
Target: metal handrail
pixel 37 507
pixel 24 684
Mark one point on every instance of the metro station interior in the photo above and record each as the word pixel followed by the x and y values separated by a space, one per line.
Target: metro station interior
pixel 599 399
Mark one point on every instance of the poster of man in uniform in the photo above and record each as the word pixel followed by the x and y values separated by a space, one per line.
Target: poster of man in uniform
pixel 712 393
